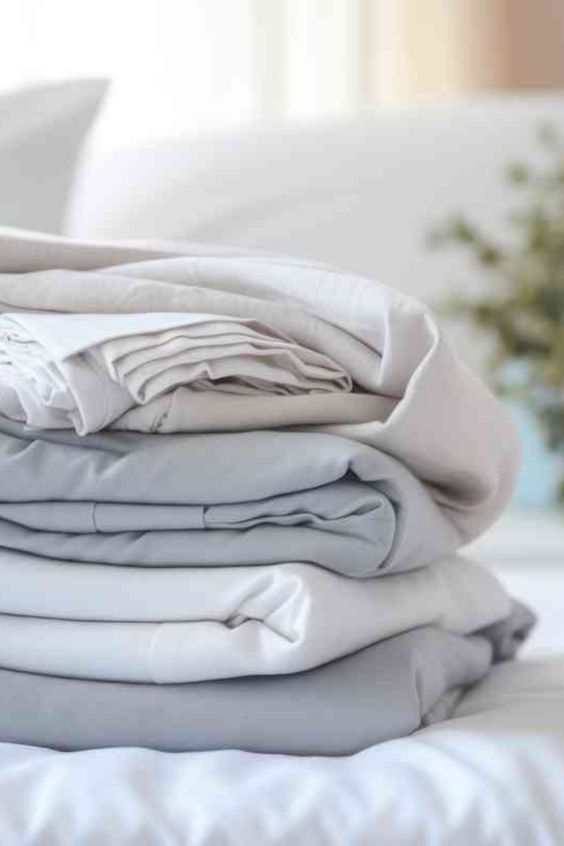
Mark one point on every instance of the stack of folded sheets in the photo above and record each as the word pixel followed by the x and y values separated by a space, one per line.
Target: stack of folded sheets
pixel 232 490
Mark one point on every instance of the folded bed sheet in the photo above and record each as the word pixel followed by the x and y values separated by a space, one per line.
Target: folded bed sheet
pixel 429 412
pixel 379 693
pixel 84 371
pixel 230 499
pixel 178 625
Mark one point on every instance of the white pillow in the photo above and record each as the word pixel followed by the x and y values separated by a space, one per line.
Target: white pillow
pixel 360 194
pixel 41 132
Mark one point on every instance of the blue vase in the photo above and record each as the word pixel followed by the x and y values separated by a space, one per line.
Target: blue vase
pixel 541 469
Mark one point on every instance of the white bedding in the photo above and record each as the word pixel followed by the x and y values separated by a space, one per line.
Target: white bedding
pixel 169 625
pixel 85 371
pixel 492 776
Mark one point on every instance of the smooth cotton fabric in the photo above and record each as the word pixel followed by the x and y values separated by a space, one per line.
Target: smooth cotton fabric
pixel 215 500
pixel 379 693
pixel 85 371
pixel 181 625
pixel 23 250
pixel 444 424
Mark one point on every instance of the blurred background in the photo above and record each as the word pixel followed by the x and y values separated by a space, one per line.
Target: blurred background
pixel 416 143
pixel 187 65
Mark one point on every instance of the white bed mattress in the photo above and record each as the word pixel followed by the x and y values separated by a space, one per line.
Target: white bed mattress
pixel 492 775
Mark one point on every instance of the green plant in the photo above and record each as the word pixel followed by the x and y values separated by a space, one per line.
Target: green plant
pixel 522 308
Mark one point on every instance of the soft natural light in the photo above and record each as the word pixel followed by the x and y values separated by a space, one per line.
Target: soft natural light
pixel 282 422
pixel 187 65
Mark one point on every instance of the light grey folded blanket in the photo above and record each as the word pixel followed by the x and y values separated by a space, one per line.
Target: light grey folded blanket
pixel 215 500
pixel 382 692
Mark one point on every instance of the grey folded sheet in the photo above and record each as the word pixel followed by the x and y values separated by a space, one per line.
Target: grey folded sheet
pixel 216 500
pixel 382 692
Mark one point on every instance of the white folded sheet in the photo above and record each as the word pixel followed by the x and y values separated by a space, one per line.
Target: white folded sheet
pixel 176 624
pixel 84 371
